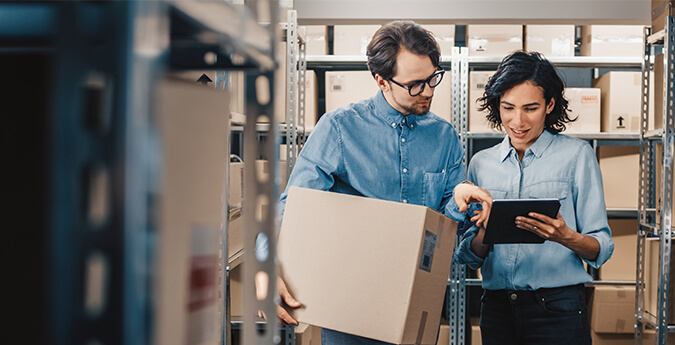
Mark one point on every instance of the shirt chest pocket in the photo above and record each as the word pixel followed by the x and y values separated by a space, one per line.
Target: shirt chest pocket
pixel 433 189
pixel 547 189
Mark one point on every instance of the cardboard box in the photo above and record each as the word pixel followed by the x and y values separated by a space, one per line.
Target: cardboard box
pixel 347 87
pixel 235 236
pixel 621 266
pixel 477 121
pixel 352 39
pixel 368 253
pixel 550 40
pixel 494 40
pixel 649 337
pixel 652 275
pixel 315 40
pixel 612 40
pixel 611 309
pixel 307 334
pixel 659 91
pixel 445 36
pixel 236 291
pixel 443 335
pixel 660 10
pixel 612 339
pixel 584 105
pixel 620 166
pixel 236 187
pixel 658 183
pixel 193 122
pixel 310 101
pixel 476 338
pixel 620 93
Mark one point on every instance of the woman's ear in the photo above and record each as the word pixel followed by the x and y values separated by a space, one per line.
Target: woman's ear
pixel 550 106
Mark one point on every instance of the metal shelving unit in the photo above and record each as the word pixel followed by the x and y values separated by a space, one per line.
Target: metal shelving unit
pixel 103 60
pixel 656 220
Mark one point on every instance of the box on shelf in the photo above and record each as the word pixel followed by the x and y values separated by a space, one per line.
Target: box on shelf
pixel 649 337
pixel 584 105
pixel 612 40
pixel 346 87
pixel 443 334
pixel 352 39
pixel 445 36
pixel 477 121
pixel 611 309
pixel 652 272
pixel 368 252
pixel 315 40
pixel 612 338
pixel 193 122
pixel 621 266
pixel 235 190
pixel 307 334
pixel 550 40
pixel 660 10
pixel 659 91
pixel 494 40
pixel 310 101
pixel 620 167
pixel 475 331
pixel 621 100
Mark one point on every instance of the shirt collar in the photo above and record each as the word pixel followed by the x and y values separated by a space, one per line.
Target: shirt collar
pixel 391 116
pixel 537 148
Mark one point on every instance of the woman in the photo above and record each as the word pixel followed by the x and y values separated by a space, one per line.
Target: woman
pixel 534 293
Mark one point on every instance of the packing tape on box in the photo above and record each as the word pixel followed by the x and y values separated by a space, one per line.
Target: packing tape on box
pixel 441 221
pixel 420 331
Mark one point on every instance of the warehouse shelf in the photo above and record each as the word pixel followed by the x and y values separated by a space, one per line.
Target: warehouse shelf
pixel 350 62
pixel 585 136
pixel 567 61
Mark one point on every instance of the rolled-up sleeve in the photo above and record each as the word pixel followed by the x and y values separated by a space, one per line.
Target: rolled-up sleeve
pixel 591 212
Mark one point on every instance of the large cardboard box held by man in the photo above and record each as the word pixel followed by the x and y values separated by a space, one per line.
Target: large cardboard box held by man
pixel 364 266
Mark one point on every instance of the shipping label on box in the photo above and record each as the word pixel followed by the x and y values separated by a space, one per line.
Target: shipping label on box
pixel 477 119
pixel 584 106
pixel 494 40
pixel 612 309
pixel 366 253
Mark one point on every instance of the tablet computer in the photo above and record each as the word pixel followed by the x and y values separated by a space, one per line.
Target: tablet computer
pixel 501 227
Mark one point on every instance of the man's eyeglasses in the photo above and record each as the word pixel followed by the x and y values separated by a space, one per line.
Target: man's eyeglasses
pixel 418 87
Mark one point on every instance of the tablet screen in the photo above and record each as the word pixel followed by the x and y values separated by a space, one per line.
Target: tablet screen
pixel 501 227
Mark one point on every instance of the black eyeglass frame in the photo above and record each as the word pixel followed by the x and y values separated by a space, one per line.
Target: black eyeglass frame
pixel 439 71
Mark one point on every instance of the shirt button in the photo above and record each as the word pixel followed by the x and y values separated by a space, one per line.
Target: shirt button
pixel 403 140
pixel 405 201
pixel 514 296
pixel 393 124
pixel 411 125
pixel 405 170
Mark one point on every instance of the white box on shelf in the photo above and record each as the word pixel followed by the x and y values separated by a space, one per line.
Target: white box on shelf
pixel 584 105
pixel 550 40
pixel 494 40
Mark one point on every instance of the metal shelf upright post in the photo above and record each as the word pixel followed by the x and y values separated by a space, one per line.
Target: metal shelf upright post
pixel 456 293
pixel 649 191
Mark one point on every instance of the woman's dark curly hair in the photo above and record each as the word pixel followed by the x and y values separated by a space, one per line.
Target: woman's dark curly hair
pixel 516 69
pixel 383 49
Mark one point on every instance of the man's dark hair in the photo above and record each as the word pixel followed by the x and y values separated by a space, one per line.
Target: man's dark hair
pixel 390 38
pixel 516 69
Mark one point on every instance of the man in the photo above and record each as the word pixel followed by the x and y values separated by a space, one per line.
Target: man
pixel 389 146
